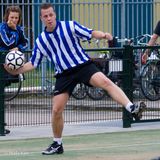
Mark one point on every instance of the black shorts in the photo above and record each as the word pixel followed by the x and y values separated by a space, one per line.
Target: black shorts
pixel 81 74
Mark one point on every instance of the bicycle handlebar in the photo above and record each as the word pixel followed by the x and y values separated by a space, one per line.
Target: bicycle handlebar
pixel 141 38
pixel 129 41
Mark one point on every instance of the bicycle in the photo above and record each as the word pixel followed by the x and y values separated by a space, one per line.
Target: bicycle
pixel 81 91
pixel 111 64
pixel 145 79
pixel 13 86
pixel 149 73
pixel 107 62
pixel 150 77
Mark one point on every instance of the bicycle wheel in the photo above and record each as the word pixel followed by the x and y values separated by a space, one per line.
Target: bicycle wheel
pixel 96 93
pixel 13 89
pixel 150 81
pixel 79 91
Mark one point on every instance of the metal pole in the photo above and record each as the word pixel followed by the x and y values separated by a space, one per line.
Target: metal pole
pixel 2 110
pixel 123 21
pixel 127 82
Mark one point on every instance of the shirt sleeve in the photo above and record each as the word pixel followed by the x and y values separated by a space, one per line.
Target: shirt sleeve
pixel 157 29
pixel 36 57
pixel 7 40
pixel 82 31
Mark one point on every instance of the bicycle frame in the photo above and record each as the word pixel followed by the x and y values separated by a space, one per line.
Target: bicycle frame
pixel 150 80
pixel 13 87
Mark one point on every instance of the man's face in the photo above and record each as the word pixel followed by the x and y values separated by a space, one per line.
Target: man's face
pixel 48 17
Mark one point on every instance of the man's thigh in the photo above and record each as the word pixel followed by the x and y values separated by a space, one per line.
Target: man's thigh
pixel 100 80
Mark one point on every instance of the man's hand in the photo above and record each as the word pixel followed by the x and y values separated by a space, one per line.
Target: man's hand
pixel 108 36
pixel 14 49
pixel 11 71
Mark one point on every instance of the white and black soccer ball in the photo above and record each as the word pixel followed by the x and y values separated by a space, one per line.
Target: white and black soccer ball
pixel 15 59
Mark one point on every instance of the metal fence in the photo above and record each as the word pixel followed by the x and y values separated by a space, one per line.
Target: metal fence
pixel 33 104
pixel 122 18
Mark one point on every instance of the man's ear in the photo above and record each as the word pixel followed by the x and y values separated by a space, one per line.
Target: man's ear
pixel 41 18
pixel 55 15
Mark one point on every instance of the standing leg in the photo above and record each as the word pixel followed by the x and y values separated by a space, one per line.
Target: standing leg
pixel 58 104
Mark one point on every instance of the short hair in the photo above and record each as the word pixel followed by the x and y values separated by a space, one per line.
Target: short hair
pixel 46 6
pixel 12 9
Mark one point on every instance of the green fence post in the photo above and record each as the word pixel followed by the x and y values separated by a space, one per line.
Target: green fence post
pixel 2 85
pixel 127 81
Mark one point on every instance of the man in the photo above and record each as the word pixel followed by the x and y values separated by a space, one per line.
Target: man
pixel 152 41
pixel 60 43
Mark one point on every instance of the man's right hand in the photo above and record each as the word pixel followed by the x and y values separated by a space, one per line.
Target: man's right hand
pixel 11 71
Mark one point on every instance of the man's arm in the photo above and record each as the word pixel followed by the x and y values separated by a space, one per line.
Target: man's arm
pixel 151 42
pixel 101 35
pixel 25 68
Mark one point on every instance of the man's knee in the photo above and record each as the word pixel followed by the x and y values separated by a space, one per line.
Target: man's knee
pixel 57 110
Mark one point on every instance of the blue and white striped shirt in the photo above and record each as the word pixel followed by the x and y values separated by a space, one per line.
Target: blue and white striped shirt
pixel 62 46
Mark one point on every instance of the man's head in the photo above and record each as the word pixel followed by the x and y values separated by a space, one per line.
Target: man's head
pixel 46 6
pixel 48 16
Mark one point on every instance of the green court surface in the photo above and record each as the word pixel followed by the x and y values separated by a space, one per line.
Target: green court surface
pixel 133 145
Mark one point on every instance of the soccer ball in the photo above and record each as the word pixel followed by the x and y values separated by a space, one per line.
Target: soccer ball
pixel 15 59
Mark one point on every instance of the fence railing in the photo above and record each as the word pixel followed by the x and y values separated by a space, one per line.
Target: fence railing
pixel 122 18
pixel 33 104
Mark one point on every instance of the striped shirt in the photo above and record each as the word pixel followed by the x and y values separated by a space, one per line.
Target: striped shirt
pixel 62 46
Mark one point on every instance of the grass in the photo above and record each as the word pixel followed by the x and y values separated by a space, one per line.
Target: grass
pixel 135 145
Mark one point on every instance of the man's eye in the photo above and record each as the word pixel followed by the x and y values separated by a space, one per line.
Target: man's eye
pixel 51 15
